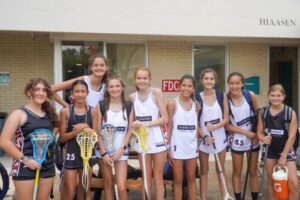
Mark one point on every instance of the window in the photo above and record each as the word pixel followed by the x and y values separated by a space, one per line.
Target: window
pixel 75 58
pixel 123 58
pixel 213 57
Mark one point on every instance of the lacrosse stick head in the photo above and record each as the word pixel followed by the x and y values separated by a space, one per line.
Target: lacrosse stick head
pixel 40 140
pixel 142 136
pixel 86 142
pixel 107 133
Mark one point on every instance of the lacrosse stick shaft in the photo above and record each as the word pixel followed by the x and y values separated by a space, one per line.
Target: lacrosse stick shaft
pixel 247 173
pixel 145 174
pixel 36 183
pixel 261 187
pixel 115 182
pixel 221 173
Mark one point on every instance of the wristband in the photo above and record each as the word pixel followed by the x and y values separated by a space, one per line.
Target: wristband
pixel 124 147
pixel 283 155
pixel 104 154
pixel 21 158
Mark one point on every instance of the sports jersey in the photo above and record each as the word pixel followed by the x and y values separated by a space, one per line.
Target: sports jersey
pixel 184 144
pixel 147 111
pixel 23 144
pixel 73 159
pixel 116 119
pixel 212 114
pixel 94 97
pixel 241 116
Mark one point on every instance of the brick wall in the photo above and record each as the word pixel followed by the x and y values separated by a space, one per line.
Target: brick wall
pixel 169 60
pixel 251 60
pixel 24 57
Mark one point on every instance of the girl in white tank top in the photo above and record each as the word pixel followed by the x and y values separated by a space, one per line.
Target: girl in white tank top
pixel 242 134
pixel 182 127
pixel 117 116
pixel 150 112
pixel 212 120
pixel 98 66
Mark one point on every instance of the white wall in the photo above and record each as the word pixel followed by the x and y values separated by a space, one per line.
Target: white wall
pixel 233 18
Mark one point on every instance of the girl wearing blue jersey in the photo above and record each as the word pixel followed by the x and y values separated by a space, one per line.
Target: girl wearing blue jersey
pixel 38 113
pixel 150 112
pixel 242 127
pixel 98 66
pixel 74 119
pixel 272 131
pixel 182 127
pixel 213 118
pixel 115 114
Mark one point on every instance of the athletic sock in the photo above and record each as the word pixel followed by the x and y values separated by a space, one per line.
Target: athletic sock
pixel 254 195
pixel 238 196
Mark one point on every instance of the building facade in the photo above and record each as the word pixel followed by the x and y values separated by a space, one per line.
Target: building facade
pixel 54 39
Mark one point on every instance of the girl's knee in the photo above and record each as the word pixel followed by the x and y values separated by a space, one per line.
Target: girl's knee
pixel 122 188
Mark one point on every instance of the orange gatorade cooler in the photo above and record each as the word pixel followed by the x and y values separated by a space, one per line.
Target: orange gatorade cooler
pixel 280 182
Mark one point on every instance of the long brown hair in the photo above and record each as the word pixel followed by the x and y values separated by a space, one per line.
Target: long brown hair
pixel 47 106
pixel 107 97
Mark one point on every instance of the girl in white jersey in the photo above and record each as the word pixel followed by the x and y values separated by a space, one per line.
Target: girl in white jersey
pixel 243 134
pixel 96 82
pixel 116 115
pixel 150 112
pixel 212 120
pixel 182 127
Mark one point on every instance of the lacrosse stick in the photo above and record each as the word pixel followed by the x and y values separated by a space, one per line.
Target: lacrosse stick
pixel 142 136
pixel 221 174
pixel 247 173
pixel 86 142
pixel 265 151
pixel 40 140
pixel 107 133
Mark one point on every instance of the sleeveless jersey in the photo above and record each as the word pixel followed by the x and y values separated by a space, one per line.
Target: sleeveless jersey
pixel 184 144
pixel 23 143
pixel 116 118
pixel 94 97
pixel 241 116
pixel 276 125
pixel 73 159
pixel 147 111
pixel 212 114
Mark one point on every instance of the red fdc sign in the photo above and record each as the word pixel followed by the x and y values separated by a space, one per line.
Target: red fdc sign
pixel 170 85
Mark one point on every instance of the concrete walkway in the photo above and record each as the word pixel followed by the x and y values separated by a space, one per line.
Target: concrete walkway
pixel 213 188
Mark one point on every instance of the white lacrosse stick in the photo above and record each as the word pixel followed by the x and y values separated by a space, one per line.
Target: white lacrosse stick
pixel 107 133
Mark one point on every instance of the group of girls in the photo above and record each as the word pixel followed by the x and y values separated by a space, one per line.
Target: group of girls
pixel 194 123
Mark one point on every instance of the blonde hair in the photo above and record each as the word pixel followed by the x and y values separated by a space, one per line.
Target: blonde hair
pixel 278 87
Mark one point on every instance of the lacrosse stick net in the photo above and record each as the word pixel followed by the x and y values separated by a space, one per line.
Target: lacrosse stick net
pixel 86 142
pixel 107 133
pixel 40 140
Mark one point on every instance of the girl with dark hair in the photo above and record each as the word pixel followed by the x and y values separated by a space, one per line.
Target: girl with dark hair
pixel 273 131
pixel 182 127
pixel 243 107
pixel 150 112
pixel 116 114
pixel 95 81
pixel 38 113
pixel 74 119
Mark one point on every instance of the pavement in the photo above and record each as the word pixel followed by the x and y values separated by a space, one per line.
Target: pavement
pixel 213 188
